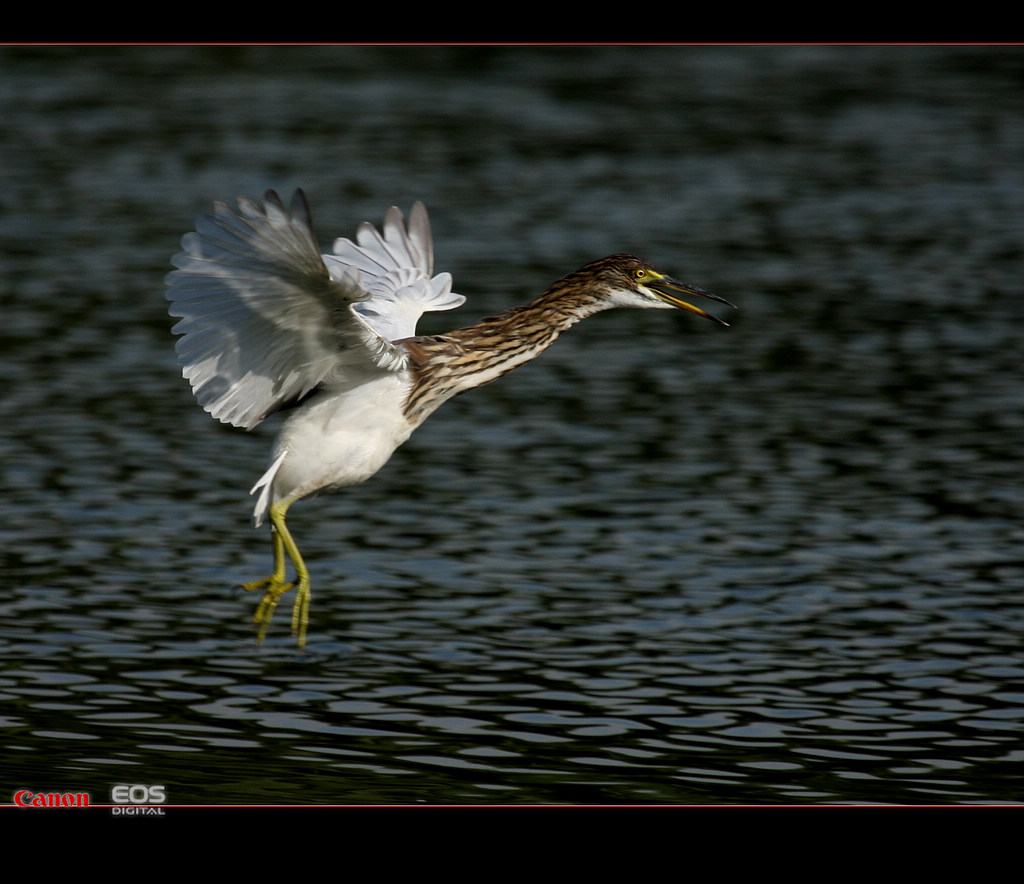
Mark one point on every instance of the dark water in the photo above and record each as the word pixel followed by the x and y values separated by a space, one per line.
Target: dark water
pixel 668 562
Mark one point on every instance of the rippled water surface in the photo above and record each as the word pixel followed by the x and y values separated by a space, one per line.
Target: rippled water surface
pixel 665 563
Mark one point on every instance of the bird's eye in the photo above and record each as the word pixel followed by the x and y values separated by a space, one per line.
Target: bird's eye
pixel 641 273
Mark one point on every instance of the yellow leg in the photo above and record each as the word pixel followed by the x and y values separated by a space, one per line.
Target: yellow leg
pixel 275 586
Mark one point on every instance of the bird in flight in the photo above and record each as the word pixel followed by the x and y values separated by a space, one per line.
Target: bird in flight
pixel 268 323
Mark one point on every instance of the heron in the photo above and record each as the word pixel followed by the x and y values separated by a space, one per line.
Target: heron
pixel 267 323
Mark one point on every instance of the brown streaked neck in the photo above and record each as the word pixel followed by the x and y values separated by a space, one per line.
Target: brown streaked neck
pixel 446 365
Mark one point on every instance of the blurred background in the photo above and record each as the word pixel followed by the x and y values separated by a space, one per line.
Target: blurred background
pixel 666 562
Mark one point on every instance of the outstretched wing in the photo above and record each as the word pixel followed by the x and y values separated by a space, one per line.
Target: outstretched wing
pixel 396 270
pixel 263 321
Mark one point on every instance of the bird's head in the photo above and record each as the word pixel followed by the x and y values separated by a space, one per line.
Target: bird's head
pixel 629 281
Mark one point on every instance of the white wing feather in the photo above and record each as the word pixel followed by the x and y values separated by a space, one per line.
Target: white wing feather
pixel 264 320
pixel 396 270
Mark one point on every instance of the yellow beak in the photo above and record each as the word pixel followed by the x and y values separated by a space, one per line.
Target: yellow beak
pixel 674 285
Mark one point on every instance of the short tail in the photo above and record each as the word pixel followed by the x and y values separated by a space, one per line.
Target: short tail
pixel 264 486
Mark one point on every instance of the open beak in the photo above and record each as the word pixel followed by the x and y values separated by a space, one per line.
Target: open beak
pixel 664 287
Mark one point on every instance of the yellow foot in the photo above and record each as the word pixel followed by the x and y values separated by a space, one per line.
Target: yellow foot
pixel 273 588
pixel 300 610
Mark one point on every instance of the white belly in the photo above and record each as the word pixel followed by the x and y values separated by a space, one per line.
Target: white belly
pixel 337 438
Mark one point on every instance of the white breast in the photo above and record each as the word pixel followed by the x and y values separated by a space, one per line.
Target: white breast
pixel 340 437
